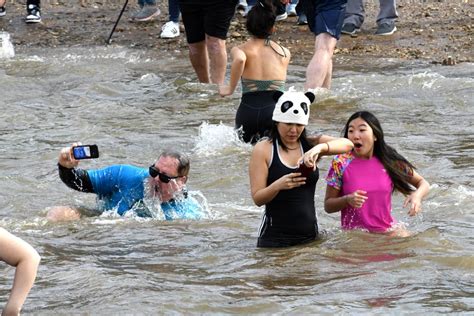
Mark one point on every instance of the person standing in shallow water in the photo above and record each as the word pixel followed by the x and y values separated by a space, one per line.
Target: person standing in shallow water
pixel 325 18
pixel 261 66
pixel 206 23
pixel 360 183
pixel 288 196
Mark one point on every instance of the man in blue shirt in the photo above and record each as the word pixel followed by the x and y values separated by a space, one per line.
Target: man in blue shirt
pixel 123 187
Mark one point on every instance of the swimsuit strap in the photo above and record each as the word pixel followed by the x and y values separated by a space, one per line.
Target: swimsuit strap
pixel 268 43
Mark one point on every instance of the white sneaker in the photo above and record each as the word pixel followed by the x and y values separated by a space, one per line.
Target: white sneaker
pixel 170 30
pixel 291 9
pixel 247 9
pixel 34 14
pixel 281 17
pixel 242 6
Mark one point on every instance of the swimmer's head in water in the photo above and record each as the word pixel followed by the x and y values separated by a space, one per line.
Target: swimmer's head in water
pixel 168 175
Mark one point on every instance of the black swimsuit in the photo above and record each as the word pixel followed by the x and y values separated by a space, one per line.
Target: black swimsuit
pixel 254 115
pixel 290 218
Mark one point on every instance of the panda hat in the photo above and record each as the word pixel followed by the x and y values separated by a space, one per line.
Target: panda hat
pixel 292 106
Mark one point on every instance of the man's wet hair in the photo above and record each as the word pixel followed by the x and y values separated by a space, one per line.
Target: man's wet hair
pixel 183 161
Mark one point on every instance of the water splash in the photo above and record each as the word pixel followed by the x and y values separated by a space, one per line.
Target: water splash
pixel 153 207
pixel 149 78
pixel 425 79
pixel 207 212
pixel 213 139
pixel 104 54
pixel 463 192
pixel 322 94
pixel 6 46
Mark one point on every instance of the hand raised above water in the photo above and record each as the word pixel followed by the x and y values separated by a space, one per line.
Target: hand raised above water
pixel 66 158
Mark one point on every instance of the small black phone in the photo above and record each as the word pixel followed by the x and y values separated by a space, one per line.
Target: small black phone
pixel 85 152
pixel 304 170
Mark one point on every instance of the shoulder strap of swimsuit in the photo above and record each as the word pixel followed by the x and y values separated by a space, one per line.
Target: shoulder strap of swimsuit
pixel 268 43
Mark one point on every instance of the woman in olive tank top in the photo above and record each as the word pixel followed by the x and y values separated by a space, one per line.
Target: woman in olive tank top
pixel 261 65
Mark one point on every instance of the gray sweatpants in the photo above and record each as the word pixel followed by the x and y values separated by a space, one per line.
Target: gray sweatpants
pixel 355 12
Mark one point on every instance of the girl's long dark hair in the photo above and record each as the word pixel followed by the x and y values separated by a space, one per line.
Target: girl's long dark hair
pixel 399 169
pixel 261 19
pixel 273 135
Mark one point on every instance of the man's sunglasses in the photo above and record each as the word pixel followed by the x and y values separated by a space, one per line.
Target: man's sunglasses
pixel 163 177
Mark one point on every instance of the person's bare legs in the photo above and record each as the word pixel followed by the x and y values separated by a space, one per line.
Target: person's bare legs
pixel 217 58
pixel 328 78
pixel 2 3
pixel 319 70
pixel 199 58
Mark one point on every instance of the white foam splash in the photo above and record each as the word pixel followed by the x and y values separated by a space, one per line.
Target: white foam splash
pixel 207 212
pixel 426 79
pixel 216 138
pixel 149 77
pixel 33 58
pixel 464 192
pixel 6 46
pixel 130 58
pixel 110 214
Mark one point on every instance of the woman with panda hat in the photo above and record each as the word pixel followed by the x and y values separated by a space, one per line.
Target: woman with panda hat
pixel 275 180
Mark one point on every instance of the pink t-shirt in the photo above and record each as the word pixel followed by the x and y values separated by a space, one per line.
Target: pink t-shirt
pixel 349 173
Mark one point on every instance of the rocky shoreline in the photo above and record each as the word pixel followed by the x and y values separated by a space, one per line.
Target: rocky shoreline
pixel 435 31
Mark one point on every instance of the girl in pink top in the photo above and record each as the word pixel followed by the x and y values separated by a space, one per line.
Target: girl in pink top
pixel 360 183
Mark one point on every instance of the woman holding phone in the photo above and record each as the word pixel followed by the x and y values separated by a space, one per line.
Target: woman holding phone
pixel 290 215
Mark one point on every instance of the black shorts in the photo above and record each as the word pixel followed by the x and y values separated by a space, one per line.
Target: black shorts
pixel 325 16
pixel 206 17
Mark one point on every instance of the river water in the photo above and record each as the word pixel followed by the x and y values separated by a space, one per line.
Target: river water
pixel 133 104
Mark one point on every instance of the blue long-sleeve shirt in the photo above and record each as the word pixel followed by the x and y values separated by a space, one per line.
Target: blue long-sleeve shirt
pixel 121 187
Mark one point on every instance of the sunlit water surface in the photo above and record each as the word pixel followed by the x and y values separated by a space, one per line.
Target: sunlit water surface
pixel 133 105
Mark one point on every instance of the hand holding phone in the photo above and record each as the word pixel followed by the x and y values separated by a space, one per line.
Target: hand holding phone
pixel 304 170
pixel 85 152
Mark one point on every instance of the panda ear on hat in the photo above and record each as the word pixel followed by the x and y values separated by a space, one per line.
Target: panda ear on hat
pixel 276 95
pixel 310 95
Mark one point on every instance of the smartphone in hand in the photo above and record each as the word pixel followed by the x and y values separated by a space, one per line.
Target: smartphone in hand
pixel 304 170
pixel 85 152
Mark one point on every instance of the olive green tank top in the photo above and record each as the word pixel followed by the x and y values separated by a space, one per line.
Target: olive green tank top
pixel 251 85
